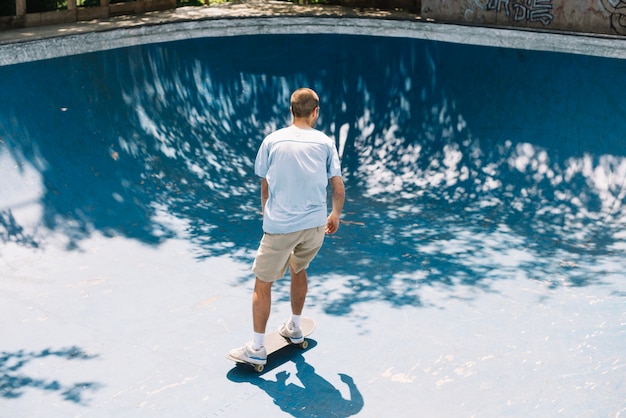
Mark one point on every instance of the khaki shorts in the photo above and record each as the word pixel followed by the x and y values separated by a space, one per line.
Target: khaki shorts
pixel 279 251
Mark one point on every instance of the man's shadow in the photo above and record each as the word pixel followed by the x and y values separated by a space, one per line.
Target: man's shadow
pixel 317 397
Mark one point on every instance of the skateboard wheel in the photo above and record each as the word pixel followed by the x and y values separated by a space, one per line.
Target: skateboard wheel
pixel 304 344
pixel 258 368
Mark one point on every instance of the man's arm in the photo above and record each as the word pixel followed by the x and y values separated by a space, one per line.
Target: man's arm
pixel 339 196
pixel 265 194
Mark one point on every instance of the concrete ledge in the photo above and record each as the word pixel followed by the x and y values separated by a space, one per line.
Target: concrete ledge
pixel 116 37
pixel 153 5
pixel 89 13
pixel 119 9
pixel 10 22
pixel 48 18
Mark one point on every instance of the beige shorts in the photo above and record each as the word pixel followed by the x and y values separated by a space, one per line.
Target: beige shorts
pixel 279 251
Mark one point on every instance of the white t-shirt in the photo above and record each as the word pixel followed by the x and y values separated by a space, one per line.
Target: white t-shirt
pixel 297 164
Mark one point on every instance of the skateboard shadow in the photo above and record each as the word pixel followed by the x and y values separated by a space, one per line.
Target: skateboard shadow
pixel 316 397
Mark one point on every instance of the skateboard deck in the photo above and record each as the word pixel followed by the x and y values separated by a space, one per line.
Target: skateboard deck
pixel 274 342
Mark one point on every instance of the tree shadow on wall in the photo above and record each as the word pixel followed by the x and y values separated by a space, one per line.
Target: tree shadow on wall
pixel 130 141
pixel 14 383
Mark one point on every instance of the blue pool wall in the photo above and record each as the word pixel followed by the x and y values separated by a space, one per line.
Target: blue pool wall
pixel 435 137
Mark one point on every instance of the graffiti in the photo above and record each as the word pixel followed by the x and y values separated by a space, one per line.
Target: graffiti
pixel 497 6
pixel 533 11
pixel 521 11
pixel 617 9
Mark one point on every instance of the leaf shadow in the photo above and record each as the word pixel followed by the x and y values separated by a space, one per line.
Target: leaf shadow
pixel 14 382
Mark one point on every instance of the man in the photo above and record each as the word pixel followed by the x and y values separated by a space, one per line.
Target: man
pixel 295 164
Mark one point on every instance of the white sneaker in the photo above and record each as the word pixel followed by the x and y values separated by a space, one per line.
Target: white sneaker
pixel 248 354
pixel 291 332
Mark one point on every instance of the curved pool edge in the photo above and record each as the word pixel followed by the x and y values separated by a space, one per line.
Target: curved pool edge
pixel 74 44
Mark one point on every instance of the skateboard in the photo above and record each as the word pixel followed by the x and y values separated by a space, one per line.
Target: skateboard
pixel 274 342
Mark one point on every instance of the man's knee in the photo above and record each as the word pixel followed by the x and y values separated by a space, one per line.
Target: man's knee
pixel 298 274
pixel 262 286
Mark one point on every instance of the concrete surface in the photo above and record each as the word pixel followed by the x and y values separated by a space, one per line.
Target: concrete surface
pixel 478 272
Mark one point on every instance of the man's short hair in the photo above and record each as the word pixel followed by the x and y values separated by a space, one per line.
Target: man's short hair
pixel 303 102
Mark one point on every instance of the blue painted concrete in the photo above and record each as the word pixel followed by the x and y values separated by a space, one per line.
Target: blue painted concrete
pixel 479 270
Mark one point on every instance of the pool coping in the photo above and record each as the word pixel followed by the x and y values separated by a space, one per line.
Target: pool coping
pixel 254 17
pixel 164 30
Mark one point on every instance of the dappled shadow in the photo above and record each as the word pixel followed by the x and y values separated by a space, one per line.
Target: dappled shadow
pixel 314 396
pixel 12 231
pixel 462 164
pixel 14 382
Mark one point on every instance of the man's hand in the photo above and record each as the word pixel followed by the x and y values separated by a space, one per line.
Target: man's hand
pixel 339 195
pixel 332 224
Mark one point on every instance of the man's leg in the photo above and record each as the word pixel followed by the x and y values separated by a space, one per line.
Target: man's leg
pixel 261 305
pixel 254 352
pixel 299 288
pixel 303 254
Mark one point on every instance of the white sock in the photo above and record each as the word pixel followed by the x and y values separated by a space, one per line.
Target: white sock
pixel 296 320
pixel 259 340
